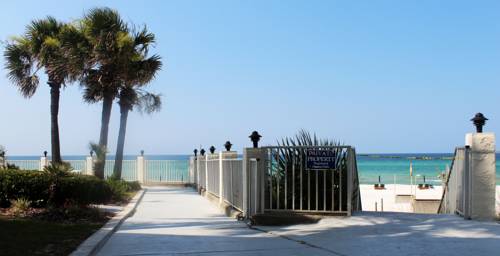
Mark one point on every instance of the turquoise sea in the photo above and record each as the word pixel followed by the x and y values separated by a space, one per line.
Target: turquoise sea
pixel 370 166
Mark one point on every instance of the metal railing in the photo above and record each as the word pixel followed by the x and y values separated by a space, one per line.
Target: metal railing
pixel 26 164
pixel 233 187
pixel 155 171
pixel 456 191
pixel 167 171
pixel 280 179
pixel 202 172
pixel 213 176
pixel 78 165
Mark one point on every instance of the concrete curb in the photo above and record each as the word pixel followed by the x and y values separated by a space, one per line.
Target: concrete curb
pixel 95 242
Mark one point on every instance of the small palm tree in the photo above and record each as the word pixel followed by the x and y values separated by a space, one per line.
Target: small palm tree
pixel 41 48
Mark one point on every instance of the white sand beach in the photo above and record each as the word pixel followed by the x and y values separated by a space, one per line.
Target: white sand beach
pixel 396 197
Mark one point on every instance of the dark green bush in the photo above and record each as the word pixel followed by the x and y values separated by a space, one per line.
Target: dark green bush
pixel 82 190
pixel 41 188
pixel 31 185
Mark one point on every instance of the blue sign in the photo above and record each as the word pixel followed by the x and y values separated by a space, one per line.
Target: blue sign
pixel 319 159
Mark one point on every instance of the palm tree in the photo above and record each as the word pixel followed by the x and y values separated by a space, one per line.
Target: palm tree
pixel 129 97
pixel 108 45
pixel 41 47
pixel 138 72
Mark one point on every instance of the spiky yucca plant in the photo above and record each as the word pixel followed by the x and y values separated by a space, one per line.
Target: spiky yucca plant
pixel 330 185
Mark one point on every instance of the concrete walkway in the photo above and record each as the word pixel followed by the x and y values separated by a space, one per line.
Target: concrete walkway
pixel 178 221
pixel 376 233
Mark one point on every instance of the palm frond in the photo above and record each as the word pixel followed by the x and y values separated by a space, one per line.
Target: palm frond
pixel 143 40
pixel 21 67
pixel 149 103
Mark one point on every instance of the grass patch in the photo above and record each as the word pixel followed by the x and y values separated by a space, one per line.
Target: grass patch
pixel 20 236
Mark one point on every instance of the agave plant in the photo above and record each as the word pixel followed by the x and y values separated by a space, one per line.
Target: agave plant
pixel 323 190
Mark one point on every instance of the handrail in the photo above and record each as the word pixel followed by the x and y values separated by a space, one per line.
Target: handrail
pixel 445 188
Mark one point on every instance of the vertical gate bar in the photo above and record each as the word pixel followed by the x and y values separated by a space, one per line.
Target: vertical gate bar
pixel 277 180
pixel 333 190
pixel 316 174
pixel 269 169
pixel 350 164
pixel 301 178
pixel 340 190
pixel 324 190
pixel 286 184
pixel 308 189
pixel 293 180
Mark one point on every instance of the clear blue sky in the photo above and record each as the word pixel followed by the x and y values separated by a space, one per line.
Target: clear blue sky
pixel 383 76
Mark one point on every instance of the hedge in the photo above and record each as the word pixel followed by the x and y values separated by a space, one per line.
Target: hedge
pixel 35 186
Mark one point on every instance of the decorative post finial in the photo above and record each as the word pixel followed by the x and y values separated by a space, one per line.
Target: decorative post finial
pixel 212 149
pixel 479 121
pixel 142 152
pixel 202 152
pixel 45 153
pixel 228 145
pixel 195 151
pixel 255 137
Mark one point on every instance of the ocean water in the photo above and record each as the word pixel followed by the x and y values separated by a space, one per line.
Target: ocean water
pixel 390 167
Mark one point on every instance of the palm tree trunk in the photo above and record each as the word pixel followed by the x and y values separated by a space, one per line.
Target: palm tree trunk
pixel 54 124
pixel 117 171
pixel 107 104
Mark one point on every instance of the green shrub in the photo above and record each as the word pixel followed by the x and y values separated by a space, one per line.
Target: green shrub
pixel 41 187
pixel 82 190
pixel 31 185
pixel 134 186
pixel 121 189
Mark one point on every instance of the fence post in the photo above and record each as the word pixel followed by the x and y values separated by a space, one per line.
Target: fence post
pixel 141 165
pixel 253 199
pixel 482 175
pixel 44 162
pixel 89 165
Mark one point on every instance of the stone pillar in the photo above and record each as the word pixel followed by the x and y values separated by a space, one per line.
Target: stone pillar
pixel 254 180
pixel 89 165
pixel 141 169
pixel 483 175
pixel 44 162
